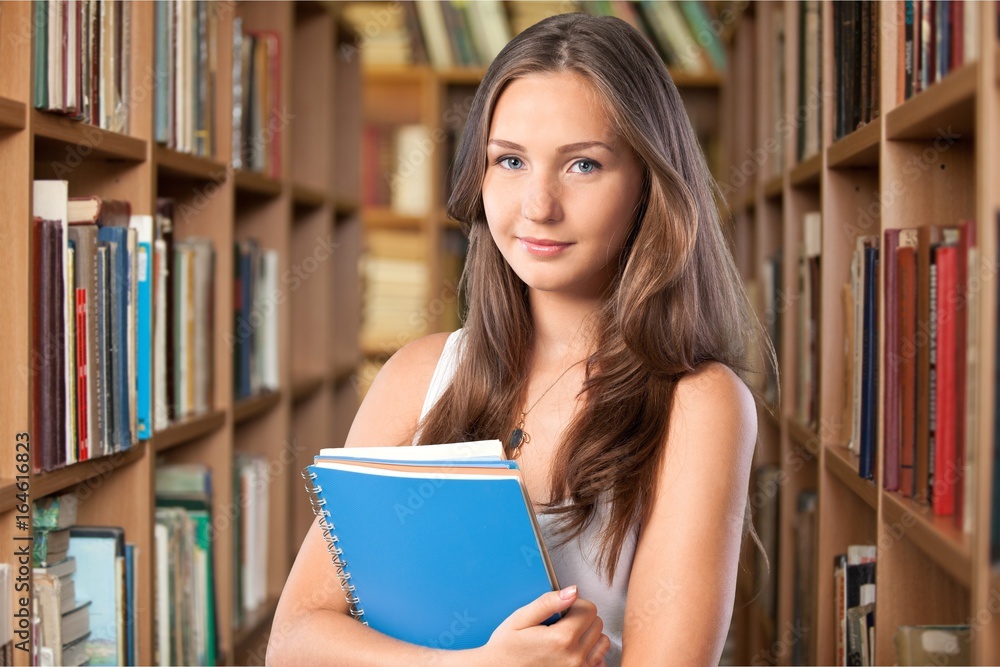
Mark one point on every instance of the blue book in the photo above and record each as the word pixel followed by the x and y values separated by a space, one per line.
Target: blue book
pixel 435 553
pixel 100 577
pixel 143 226
pixel 120 293
pixel 869 368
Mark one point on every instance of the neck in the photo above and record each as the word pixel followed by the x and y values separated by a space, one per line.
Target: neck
pixel 563 327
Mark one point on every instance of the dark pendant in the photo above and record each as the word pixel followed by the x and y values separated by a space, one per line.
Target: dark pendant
pixel 516 438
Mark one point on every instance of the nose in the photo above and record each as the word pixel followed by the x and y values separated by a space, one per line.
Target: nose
pixel 541 203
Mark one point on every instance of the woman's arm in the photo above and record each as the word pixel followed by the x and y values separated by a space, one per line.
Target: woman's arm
pixel 311 624
pixel 683 577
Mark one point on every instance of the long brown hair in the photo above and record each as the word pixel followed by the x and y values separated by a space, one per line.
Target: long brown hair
pixel 675 302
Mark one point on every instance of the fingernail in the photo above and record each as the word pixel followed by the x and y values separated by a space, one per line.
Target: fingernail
pixel 568 592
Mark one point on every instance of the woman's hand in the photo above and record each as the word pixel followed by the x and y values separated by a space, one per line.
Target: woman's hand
pixel 576 640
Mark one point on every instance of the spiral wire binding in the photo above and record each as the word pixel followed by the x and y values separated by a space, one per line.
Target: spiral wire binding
pixel 336 553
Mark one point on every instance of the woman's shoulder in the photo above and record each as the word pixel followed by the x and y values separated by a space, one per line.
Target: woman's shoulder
pixel 713 394
pixel 410 368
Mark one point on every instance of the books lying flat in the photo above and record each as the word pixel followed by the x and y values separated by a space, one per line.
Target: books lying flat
pixel 434 545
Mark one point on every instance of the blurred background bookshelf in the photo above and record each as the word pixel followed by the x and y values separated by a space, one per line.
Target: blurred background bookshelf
pixel 860 141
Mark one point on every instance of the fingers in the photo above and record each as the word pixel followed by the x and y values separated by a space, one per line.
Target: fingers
pixel 542 608
pixel 593 632
pixel 600 649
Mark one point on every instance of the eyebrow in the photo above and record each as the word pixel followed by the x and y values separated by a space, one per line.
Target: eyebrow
pixel 568 148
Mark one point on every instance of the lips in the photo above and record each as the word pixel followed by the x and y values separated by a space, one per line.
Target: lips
pixel 543 247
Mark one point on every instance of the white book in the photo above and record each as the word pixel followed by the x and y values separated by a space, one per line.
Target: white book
pixel 161 418
pixel 435 33
pixel 410 184
pixel 476 449
pixel 270 376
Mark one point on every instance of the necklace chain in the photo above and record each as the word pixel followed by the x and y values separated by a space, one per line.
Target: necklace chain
pixel 519 436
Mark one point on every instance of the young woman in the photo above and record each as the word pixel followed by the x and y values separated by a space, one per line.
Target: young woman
pixel 605 341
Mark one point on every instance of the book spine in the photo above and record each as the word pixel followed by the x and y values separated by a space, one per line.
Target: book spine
pixel 336 553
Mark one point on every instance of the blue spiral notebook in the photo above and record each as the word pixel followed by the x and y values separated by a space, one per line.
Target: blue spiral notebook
pixel 433 545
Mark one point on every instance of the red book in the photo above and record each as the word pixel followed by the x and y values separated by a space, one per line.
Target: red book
pixel 957 34
pixel 891 355
pixel 946 475
pixel 906 283
pixel 966 240
pixel 83 437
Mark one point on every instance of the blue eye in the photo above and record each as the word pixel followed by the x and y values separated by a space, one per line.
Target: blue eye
pixel 586 166
pixel 513 163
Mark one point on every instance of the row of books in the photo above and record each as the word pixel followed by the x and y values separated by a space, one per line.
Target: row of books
pixel 257 118
pixel 395 287
pixel 856 64
pixel 930 355
pixel 471 34
pixel 121 325
pixel 935 37
pixel 84 596
pixel 394 172
pixel 808 116
pixel 806 536
pixel 186 58
pixel 854 599
pixel 254 342
pixel 81 62
pixel 186 628
pixel 251 491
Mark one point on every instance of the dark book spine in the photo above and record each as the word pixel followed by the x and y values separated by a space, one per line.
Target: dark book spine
pixel 909 49
pixel 869 367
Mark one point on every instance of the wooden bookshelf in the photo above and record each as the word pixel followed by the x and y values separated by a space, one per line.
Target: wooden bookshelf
pixel 929 570
pixel 314 197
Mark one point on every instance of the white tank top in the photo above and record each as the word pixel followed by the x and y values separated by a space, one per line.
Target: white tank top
pixel 575 561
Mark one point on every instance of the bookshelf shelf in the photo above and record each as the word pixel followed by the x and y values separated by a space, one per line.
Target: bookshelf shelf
pixel 8 493
pixel 470 76
pixel 384 218
pixel 185 165
pixel 344 207
pixel 688 80
pixel 189 430
pixel 773 187
pixel 344 372
pixel 98 142
pixel 843 463
pixel 413 74
pixel 54 481
pixel 802 435
pixel 305 388
pixel 253 183
pixel 948 105
pixel 254 624
pixel 857 149
pixel 378 348
pixel 938 537
pixel 254 407
pixel 12 114
pixel 308 197
pixel 806 173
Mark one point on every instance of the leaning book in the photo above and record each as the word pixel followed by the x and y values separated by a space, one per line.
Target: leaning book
pixel 433 545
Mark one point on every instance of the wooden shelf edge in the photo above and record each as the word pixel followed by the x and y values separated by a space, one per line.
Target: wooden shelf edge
pixel 252 407
pixel 773 187
pixel 682 79
pixel 189 430
pixel 806 173
pixel 802 435
pixel 857 149
pixel 937 537
pixel 921 115
pixel 13 114
pixel 343 372
pixel 344 207
pixel 54 481
pixel 253 625
pixel 843 464
pixel 460 75
pixel 101 143
pixel 304 387
pixel 385 218
pixel 194 167
pixel 8 495
pixel 251 182
pixel 308 196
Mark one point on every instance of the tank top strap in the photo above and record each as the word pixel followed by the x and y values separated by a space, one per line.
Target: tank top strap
pixel 444 371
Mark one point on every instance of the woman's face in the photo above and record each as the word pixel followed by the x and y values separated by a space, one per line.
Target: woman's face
pixel 561 186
